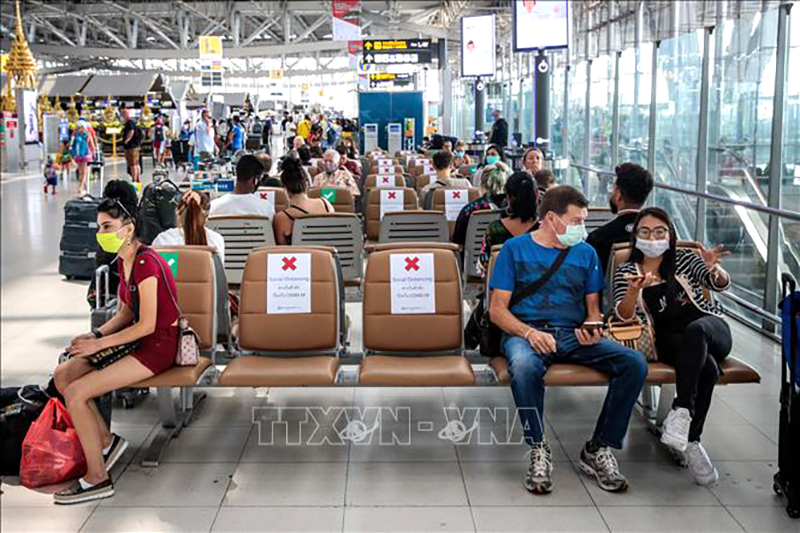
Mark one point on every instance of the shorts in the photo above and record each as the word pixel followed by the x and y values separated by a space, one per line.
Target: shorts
pixel 157 351
pixel 132 157
pixel 83 158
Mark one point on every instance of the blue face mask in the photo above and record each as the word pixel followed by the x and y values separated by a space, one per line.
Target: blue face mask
pixel 575 234
pixel 492 159
pixel 459 153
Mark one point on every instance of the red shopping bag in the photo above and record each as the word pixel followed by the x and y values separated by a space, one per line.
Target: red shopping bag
pixel 51 451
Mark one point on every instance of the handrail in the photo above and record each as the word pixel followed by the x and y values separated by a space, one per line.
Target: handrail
pixel 745 164
pixel 782 213
pixel 775 319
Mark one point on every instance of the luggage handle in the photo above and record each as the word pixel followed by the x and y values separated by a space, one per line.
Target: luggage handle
pixel 99 274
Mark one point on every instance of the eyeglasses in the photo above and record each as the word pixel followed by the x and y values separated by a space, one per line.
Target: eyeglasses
pixel 658 233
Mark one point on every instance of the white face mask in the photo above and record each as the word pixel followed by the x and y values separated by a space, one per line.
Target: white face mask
pixel 652 249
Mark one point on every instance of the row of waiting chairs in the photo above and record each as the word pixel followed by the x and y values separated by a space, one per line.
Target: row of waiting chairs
pixel 306 348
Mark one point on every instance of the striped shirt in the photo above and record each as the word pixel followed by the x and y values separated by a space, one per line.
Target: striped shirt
pixel 691 272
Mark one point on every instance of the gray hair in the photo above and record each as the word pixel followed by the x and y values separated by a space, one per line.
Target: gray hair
pixel 334 153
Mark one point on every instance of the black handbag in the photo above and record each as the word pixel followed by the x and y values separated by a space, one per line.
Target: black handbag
pixel 490 334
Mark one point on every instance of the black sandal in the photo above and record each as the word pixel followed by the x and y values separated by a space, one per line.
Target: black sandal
pixel 77 494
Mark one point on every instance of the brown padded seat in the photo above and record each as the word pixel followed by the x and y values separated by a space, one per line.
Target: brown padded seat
pixel 372 180
pixel 318 330
pixel 177 376
pixel 373 209
pixel 559 375
pixel 196 290
pixel 419 334
pixel 438 203
pixel 441 371
pixel 345 203
pixel 281 199
pixel 255 371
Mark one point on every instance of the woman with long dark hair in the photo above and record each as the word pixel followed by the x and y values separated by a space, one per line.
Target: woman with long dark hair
pixel 146 313
pixel 522 199
pixel 295 180
pixel 664 285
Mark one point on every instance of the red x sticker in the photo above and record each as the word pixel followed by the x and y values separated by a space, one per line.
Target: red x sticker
pixel 288 263
pixel 385 179
pixel 392 195
pixel 412 263
pixel 456 194
pixel 264 195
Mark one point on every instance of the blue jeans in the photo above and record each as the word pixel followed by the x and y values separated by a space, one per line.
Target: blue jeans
pixel 626 369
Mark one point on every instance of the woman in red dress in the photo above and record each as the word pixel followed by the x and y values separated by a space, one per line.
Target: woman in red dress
pixel 146 313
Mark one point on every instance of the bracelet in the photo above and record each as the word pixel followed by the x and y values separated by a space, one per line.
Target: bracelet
pixel 527 333
pixel 97 333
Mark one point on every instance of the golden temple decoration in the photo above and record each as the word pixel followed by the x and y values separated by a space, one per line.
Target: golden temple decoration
pixel 20 67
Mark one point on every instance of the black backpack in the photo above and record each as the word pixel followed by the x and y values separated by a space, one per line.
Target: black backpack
pixel 158 134
pixel 138 137
pixel 157 209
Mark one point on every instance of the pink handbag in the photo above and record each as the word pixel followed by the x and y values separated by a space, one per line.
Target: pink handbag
pixel 188 353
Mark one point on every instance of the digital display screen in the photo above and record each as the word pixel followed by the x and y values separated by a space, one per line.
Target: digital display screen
pixel 477 46
pixel 540 24
pixel 31 109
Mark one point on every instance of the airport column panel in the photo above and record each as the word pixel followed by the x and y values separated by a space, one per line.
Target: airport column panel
pixel 541 99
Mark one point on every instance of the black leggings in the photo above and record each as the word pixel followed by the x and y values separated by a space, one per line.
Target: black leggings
pixel 694 353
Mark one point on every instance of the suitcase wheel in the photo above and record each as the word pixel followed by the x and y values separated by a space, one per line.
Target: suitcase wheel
pixel 127 403
pixel 793 512
pixel 777 488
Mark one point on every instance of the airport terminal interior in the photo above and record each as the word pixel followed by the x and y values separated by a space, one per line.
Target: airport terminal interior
pixel 399 265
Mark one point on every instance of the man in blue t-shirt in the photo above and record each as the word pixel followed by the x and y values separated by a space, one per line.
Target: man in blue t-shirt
pixel 555 325
pixel 236 136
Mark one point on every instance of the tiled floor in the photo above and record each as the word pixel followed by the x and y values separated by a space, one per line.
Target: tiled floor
pixel 222 475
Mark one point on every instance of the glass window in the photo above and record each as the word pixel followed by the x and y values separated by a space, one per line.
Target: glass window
pixel 635 79
pixel 740 119
pixel 790 191
pixel 678 108
pixel 557 79
pixel 601 101
pixel 577 124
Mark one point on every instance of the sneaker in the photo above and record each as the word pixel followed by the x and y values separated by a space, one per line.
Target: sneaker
pixel 78 493
pixel 602 466
pixel 676 429
pixel 539 479
pixel 700 465
pixel 115 451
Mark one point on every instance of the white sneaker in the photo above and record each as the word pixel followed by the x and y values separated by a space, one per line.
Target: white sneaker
pixel 700 465
pixel 676 429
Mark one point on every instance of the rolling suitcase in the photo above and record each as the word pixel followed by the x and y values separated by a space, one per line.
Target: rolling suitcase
pixel 78 245
pixel 787 480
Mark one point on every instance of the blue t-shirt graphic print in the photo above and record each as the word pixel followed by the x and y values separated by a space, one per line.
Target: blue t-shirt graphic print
pixel 561 302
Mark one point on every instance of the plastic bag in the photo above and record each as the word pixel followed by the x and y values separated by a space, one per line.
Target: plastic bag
pixel 51 451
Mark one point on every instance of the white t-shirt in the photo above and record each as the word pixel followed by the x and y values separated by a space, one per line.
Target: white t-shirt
pixel 241 204
pixel 175 237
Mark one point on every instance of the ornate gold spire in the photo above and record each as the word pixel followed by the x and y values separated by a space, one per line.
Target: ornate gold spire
pixel 21 66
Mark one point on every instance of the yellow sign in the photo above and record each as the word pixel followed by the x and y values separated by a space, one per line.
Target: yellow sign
pixel 304 87
pixel 276 73
pixel 210 47
pixel 3 61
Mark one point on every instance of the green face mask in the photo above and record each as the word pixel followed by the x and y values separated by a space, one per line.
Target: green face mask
pixel 492 159
pixel 110 242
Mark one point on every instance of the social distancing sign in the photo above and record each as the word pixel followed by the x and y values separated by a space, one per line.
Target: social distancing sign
pixel 172 260
pixel 288 283
pixel 412 284
pixel 384 181
pixel 454 202
pixel 385 170
pixel 427 167
pixel 269 197
pixel 391 201
pixel 329 194
pixel 385 163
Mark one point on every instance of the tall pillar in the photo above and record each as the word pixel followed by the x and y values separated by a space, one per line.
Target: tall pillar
pixel 480 104
pixel 541 102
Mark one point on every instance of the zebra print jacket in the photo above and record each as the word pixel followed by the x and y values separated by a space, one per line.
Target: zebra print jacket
pixel 691 273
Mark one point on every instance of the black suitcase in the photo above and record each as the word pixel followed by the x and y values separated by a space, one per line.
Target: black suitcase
pixel 19 408
pixel 787 480
pixel 78 241
pixel 157 209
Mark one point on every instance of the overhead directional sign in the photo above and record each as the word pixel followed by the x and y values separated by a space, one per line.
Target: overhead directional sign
pixel 398 52
pixel 390 81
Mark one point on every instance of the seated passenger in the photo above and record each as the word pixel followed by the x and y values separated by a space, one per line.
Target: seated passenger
pixel 533 160
pixel 147 314
pixel 492 155
pixel 521 204
pixel 243 201
pixel 631 189
pixel 334 175
pixel 442 163
pixel 461 160
pixel 548 327
pixel 493 181
pixel 664 287
pixel 295 181
pixel 544 181
pixel 347 160
pixel 266 162
pixel 192 215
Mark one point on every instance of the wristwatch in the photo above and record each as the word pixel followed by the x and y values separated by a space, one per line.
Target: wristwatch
pixel 97 333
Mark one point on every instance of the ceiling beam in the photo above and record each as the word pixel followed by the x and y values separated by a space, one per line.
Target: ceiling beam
pixel 91 20
pixel 55 31
pixel 311 29
pixel 403 25
pixel 147 21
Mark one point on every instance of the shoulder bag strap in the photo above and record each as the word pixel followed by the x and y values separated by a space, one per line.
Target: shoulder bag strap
pixel 529 290
pixel 169 288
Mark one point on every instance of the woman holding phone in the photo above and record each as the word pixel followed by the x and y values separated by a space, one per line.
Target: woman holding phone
pixel 664 286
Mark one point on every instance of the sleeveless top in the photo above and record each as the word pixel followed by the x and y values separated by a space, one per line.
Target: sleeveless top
pixel 286 212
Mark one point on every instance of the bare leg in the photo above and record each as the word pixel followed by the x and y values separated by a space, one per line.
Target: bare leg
pixel 82 172
pixel 121 374
pixel 67 373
